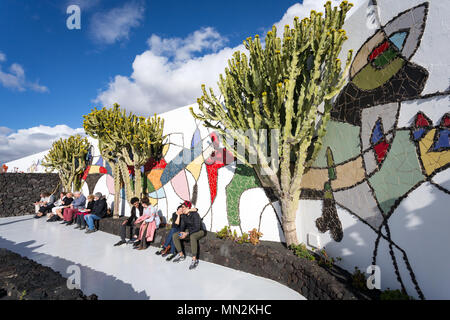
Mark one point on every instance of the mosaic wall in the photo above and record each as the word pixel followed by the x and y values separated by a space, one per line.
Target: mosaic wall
pixel 378 192
pixel 385 155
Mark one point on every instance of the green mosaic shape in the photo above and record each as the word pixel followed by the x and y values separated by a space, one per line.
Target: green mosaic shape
pixel 343 139
pixel 148 185
pixel 244 179
pixel 385 58
pixel 400 172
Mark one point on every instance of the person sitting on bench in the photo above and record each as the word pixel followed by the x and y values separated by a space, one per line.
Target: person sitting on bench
pixel 191 227
pixel 57 212
pixel 98 212
pixel 168 243
pixel 149 223
pixel 79 216
pixel 136 205
pixel 47 205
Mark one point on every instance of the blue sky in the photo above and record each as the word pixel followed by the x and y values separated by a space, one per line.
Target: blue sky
pixel 149 56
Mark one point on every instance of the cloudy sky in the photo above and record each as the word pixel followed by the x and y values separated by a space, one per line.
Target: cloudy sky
pixel 149 56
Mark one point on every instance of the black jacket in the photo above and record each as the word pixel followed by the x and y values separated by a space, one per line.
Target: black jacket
pixel 99 208
pixel 133 216
pixel 174 219
pixel 90 205
pixel 191 222
pixel 67 201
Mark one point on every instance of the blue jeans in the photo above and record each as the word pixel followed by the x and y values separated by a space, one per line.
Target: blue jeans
pixel 90 220
pixel 169 240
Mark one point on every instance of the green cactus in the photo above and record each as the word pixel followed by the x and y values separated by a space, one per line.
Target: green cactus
pixel 127 141
pixel 68 157
pixel 280 88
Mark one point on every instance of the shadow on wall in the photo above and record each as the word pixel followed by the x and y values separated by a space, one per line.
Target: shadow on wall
pixel 106 287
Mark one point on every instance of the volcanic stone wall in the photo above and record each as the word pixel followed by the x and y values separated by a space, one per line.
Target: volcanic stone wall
pixel 269 260
pixel 18 191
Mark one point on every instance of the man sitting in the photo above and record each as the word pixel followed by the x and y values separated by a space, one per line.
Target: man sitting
pixel 168 243
pixel 47 205
pixel 136 205
pixel 190 226
pixel 98 212
pixel 79 202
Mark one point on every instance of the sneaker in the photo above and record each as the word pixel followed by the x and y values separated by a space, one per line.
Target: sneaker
pixel 136 244
pixel 90 231
pixel 179 258
pixel 64 222
pixel 69 223
pixel 165 254
pixel 160 252
pixel 173 255
pixel 77 227
pixel 194 264
pixel 82 228
pixel 121 242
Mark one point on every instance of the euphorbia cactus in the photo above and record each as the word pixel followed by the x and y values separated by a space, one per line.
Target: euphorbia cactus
pixel 280 88
pixel 69 158
pixel 128 140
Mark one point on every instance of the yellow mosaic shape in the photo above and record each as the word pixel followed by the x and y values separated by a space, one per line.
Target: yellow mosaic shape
pixel 432 160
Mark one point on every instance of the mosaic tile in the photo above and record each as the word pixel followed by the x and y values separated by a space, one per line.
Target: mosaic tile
pixel 400 172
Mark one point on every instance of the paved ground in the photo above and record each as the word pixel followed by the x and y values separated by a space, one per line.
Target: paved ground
pixel 123 273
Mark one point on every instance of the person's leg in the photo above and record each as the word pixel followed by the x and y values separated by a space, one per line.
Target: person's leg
pixel 71 215
pixel 194 242
pixel 123 231
pixel 82 222
pixel 177 241
pixel 89 221
pixel 194 247
pixel 143 237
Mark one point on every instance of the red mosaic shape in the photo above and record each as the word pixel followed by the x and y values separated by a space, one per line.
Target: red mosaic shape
pixel 381 150
pixel 379 50
pixel 422 120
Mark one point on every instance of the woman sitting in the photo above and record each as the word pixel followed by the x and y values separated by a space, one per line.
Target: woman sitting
pixel 79 216
pixel 57 212
pixel 150 221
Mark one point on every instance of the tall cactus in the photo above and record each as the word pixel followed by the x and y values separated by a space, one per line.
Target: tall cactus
pixel 130 140
pixel 99 124
pixel 280 88
pixel 69 158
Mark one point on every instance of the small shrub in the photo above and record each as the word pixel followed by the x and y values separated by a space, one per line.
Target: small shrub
pixel 301 251
pixel 227 234
pixel 325 260
pixel 359 280
pixel 254 236
pixel 394 295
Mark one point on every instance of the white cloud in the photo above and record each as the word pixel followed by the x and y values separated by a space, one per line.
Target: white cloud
pixel 116 24
pixel 83 4
pixel 15 145
pixel 15 78
pixel 170 73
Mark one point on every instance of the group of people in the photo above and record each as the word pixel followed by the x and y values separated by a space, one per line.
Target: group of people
pixel 186 225
pixel 72 208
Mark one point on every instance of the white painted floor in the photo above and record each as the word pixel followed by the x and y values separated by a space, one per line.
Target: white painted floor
pixel 123 273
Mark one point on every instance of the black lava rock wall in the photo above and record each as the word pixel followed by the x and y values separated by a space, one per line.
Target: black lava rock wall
pixel 18 191
pixel 269 260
